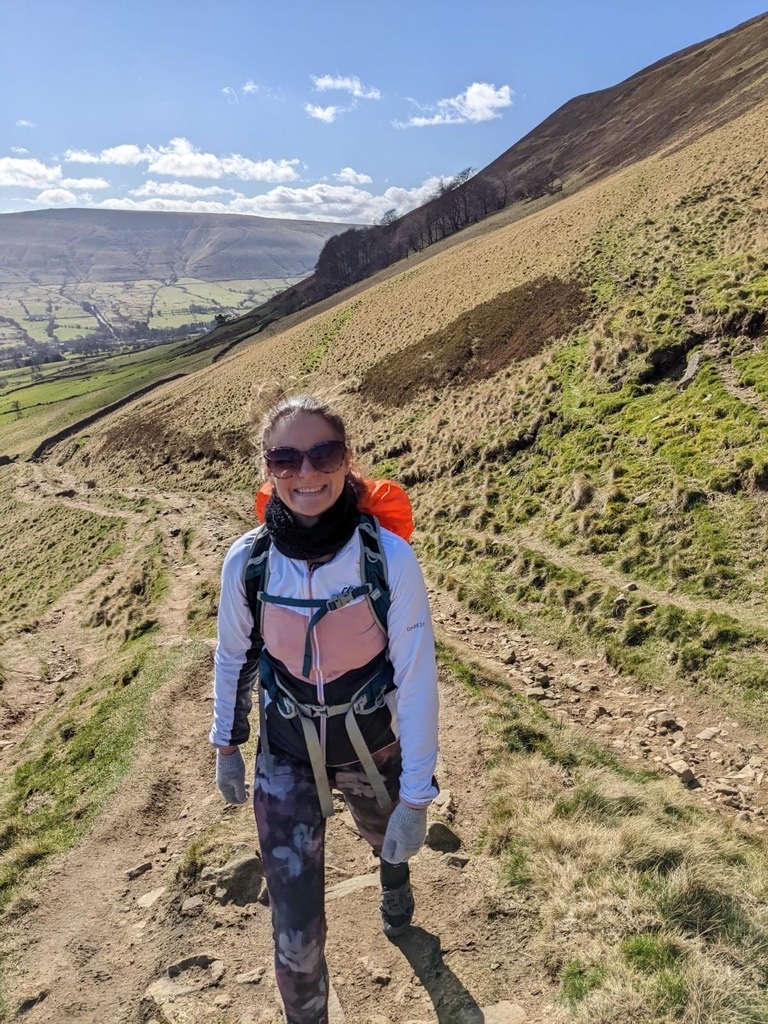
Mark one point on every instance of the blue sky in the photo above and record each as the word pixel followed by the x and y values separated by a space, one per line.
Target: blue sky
pixel 317 109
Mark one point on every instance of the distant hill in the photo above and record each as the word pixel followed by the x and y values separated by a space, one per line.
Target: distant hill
pixel 74 278
pixel 669 104
pixel 60 246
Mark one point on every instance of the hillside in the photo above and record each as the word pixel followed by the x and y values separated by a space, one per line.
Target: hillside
pixel 675 101
pixel 65 246
pixel 577 400
pixel 68 274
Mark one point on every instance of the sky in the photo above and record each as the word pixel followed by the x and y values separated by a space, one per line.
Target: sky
pixel 335 110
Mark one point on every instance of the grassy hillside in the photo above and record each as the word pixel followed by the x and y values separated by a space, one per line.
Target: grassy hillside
pixel 527 386
pixel 553 459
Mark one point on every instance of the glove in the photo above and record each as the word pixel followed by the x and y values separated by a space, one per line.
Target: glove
pixel 405 833
pixel 230 776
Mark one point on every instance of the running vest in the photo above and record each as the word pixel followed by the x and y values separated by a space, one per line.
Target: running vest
pixel 361 720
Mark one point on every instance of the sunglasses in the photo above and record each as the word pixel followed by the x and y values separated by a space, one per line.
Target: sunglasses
pixel 325 457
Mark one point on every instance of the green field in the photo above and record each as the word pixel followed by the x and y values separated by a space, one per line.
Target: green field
pixel 39 313
pixel 39 402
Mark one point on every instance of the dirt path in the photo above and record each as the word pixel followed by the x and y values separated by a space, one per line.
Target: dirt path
pixel 95 945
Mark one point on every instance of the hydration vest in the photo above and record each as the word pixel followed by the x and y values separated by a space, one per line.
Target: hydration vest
pixel 367 699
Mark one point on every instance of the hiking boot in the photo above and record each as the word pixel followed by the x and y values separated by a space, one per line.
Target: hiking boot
pixel 396 909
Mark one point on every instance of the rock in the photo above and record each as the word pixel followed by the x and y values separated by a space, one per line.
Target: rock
pixel 377 974
pixel 192 904
pixel 212 965
pixel 598 711
pixel 251 977
pixel 150 898
pixel 455 860
pixel 542 679
pixel 239 881
pixel 498 1013
pixel 682 770
pixel 192 974
pixel 726 790
pixel 690 371
pixel 335 1012
pixel 350 885
pixel 440 837
pixel 444 805
pixel 140 869
pixel 536 692
pixel 508 656
pixel 670 723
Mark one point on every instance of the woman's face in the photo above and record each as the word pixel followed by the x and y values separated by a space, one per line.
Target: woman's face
pixel 310 492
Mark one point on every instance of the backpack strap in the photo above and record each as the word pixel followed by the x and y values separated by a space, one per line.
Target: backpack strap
pixel 255 581
pixel 373 569
pixel 256 576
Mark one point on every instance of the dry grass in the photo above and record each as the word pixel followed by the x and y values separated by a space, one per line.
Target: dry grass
pixel 648 908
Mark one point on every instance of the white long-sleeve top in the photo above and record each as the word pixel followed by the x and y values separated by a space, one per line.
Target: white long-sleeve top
pixel 342 641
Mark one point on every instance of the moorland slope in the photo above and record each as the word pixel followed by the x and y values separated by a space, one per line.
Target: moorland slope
pixel 577 401
pixel 68 246
pixel 675 101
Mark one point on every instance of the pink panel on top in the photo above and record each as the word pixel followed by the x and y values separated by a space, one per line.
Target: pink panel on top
pixel 345 638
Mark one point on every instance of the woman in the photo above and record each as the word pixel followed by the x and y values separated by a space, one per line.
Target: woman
pixel 343 702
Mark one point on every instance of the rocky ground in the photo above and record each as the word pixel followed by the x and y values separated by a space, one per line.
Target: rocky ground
pixel 118 933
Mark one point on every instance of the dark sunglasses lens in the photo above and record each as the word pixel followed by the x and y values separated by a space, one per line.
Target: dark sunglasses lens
pixel 327 456
pixel 284 462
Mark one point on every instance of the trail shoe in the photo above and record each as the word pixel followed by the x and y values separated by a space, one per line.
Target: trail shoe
pixel 396 899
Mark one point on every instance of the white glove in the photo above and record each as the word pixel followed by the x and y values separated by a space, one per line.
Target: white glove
pixel 405 833
pixel 230 776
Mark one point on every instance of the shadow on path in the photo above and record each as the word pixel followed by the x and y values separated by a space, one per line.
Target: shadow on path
pixel 453 1003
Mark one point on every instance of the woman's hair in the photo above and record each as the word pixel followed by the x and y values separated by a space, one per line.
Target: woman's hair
pixel 292 405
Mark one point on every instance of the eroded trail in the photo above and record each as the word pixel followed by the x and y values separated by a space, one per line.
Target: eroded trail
pixel 129 901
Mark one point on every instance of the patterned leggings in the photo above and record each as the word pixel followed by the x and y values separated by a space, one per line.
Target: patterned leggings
pixel 291 832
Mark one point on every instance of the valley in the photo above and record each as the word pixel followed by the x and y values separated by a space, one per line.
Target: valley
pixel 575 395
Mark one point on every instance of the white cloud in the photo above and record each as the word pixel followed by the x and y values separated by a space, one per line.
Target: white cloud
pixel 481 101
pixel 84 183
pixel 123 156
pixel 179 190
pixel 345 203
pixel 345 83
pixel 351 177
pixel 56 197
pixel 325 114
pixel 24 123
pixel 181 159
pixel 19 150
pixel 249 88
pixel 30 173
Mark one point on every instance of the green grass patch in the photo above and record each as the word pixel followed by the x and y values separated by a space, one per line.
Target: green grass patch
pixel 45 550
pixel 326 334
pixel 53 795
pixel 578 980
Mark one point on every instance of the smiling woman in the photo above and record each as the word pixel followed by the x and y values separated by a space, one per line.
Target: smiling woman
pixel 325 612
